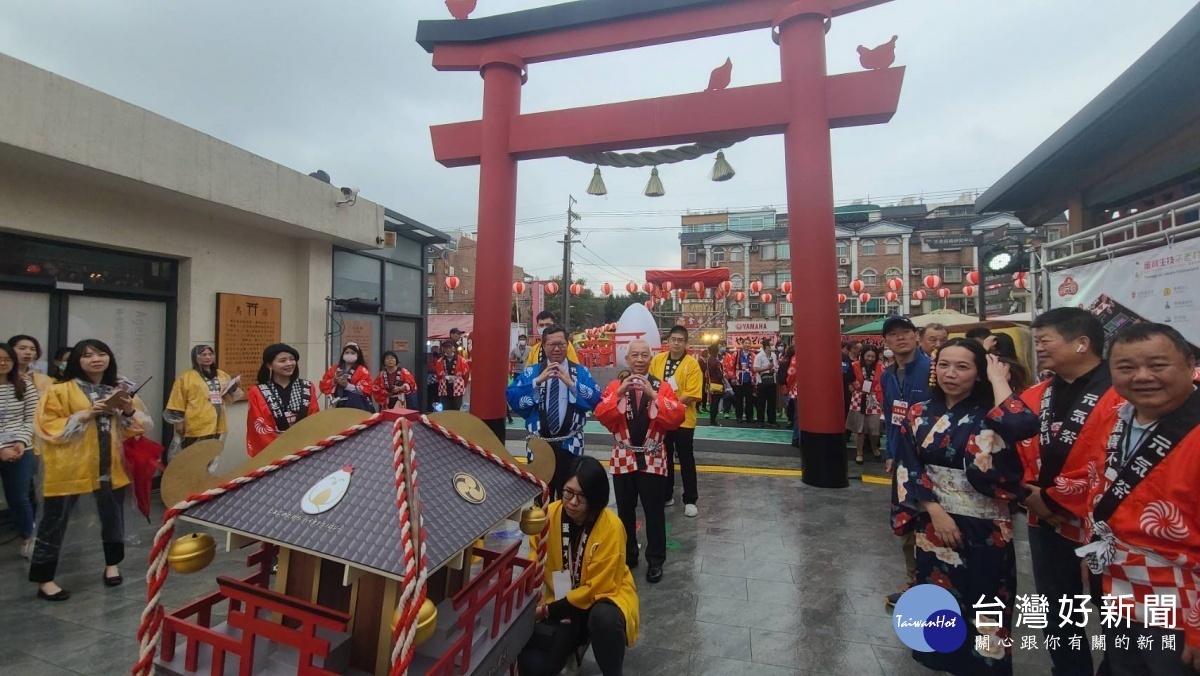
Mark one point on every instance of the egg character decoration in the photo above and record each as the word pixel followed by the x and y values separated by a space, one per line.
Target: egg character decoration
pixel 328 492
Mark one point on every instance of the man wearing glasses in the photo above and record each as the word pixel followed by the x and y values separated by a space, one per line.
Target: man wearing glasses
pixel 554 396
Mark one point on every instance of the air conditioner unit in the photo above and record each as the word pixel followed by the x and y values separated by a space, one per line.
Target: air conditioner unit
pixel 915 272
pixel 753 248
pixel 843 260
pixel 755 306
pixel 785 321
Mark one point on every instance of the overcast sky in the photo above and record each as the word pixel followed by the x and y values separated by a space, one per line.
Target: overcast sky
pixel 342 86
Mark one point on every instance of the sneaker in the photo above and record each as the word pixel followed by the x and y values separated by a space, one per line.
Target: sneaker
pixel 690 510
pixel 669 503
pixel 892 599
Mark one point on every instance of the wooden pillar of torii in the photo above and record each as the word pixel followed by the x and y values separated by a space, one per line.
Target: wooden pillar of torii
pixel 804 106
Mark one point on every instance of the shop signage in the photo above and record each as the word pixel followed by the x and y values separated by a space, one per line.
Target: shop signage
pixel 949 241
pixel 246 325
pixel 754 326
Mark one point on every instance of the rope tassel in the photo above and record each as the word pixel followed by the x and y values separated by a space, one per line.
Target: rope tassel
pixel 596 187
pixel 722 170
pixel 655 187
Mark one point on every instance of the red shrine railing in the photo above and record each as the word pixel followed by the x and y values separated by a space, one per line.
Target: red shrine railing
pixel 496 581
pixel 246 599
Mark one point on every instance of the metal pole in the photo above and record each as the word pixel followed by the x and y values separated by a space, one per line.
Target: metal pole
pixel 565 320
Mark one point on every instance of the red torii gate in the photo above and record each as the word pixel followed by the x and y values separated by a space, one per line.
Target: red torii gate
pixel 803 106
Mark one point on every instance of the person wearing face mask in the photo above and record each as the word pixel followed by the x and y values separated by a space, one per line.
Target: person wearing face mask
pixel 59 366
pixel 279 400
pixel 198 399
pixel 518 355
pixel 348 382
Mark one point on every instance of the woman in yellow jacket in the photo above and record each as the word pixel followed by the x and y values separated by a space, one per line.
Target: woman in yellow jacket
pixel 197 404
pixel 83 423
pixel 596 598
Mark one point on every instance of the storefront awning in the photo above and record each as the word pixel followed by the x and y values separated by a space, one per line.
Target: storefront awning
pixel 439 326
pixel 683 279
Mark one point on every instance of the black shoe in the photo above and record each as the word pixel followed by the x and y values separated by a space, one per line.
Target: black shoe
pixel 654 574
pixel 796 443
pixel 61 595
pixel 114 581
pixel 715 424
pixel 632 565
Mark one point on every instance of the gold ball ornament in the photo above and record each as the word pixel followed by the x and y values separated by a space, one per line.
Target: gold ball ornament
pixel 426 621
pixel 533 520
pixel 191 553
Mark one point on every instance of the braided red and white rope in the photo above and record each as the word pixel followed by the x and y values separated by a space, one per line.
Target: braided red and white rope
pixel 412 537
pixel 150 630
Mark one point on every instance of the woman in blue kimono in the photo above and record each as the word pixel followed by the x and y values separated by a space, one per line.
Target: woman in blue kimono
pixel 958 473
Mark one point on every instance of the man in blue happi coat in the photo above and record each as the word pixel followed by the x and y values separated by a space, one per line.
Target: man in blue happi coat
pixel 554 396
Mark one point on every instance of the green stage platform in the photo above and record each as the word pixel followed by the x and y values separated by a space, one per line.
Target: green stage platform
pixel 729 438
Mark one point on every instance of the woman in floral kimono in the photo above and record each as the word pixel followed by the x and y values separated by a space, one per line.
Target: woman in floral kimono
pixel 958 474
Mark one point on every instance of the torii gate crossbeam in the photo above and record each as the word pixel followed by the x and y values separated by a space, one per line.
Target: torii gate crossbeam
pixel 803 106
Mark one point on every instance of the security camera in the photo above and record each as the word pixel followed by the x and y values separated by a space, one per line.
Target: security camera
pixel 349 195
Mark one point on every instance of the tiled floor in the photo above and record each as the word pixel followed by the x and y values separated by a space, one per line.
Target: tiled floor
pixel 774 577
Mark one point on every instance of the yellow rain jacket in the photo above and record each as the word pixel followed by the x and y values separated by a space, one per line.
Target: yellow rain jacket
pixel 71 454
pixel 190 395
pixel 604 574
pixel 688 382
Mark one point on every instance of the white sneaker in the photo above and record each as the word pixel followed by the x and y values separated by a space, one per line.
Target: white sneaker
pixel 690 510
pixel 669 503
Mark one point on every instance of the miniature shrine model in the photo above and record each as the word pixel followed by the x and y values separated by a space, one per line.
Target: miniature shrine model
pixel 375 536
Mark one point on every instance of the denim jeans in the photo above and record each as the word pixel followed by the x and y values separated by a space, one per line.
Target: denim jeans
pixel 16 477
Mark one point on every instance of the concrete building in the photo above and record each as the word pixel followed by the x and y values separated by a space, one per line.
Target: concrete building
pixel 119 224
pixel 457 259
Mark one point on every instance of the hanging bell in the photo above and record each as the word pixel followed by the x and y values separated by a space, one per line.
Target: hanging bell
pixel 426 621
pixel 655 187
pixel 191 553
pixel 596 187
pixel 722 170
pixel 533 519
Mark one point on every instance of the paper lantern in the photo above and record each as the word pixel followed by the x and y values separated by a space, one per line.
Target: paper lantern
pixel 518 288
pixel 785 288
pixel 864 298
pixel 1019 275
pixel 668 286
pixel 766 298
pixel 606 289
pixel 739 296
pixel 698 287
pixel 895 284
pixel 920 294
pixel 1021 283
pixel 857 286
pixel 841 298
pixel 725 286
pixel 576 289
pixel 718 295
pixel 933 282
pixel 756 286
pixel 648 287
pixel 649 305
pixel 968 291
pixel 452 282
pixel 632 287
pixel 973 277
pixel 681 294
pixel 551 288
pixel 891 296
pixel 943 292
pixel 788 297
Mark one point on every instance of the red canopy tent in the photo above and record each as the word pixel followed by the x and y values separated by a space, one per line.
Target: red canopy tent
pixel 439 325
pixel 683 279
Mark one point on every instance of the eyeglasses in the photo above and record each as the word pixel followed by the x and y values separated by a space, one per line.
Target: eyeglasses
pixel 572 496
pixel 556 346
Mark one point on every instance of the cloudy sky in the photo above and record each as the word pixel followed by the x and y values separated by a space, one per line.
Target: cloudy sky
pixel 342 86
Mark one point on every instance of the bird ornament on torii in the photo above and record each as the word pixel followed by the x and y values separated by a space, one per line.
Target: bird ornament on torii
pixel 804 106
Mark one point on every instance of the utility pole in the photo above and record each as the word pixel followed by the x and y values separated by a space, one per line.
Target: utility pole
pixel 565 319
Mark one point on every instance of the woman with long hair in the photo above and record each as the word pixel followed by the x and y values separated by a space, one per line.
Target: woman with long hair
pixel 394 385
pixel 29 351
pixel 83 423
pixel 349 381
pixel 59 366
pixel 958 474
pixel 279 400
pixel 866 410
pixel 586 554
pixel 198 399
pixel 18 464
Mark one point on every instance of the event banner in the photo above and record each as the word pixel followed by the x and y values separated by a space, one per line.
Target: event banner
pixel 1158 285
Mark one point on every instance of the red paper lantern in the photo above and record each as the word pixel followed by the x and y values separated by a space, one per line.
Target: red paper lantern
pixel 933 282
pixel 785 288
pixel 718 294
pixel 668 286
pixel 518 288
pixel 841 298
pixel 1019 275
pixel 973 277
pixel 943 292
pixel 649 304
pixel 891 296
pixel 648 287
pixel 739 296
pixel 968 291
pixel 920 294
pixel 1021 283
pixel 766 298
pixel 895 284
pixel 551 288
pixel 632 287
pixel 857 286
pixel 698 287
pixel 452 282
pixel 756 286
pixel 864 298
pixel 606 289
pixel 681 294
pixel 576 289
pixel 725 286
pixel 789 297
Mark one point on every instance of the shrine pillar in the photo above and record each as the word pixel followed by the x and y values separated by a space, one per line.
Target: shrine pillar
pixel 808 165
pixel 503 75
